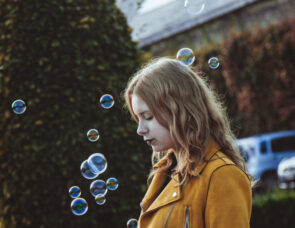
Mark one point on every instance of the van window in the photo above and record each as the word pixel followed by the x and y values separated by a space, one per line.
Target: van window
pixel 263 147
pixel 283 144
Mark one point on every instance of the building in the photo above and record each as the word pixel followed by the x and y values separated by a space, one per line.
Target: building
pixel 170 26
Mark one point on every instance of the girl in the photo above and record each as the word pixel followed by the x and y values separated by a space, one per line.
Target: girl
pixel 199 179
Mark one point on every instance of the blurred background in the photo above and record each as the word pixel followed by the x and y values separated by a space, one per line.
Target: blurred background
pixel 60 57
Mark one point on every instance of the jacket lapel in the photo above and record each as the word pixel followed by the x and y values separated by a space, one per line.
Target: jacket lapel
pixel 170 194
pixel 155 186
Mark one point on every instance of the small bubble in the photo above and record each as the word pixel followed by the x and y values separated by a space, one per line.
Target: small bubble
pixel 97 163
pixel 86 171
pixel 79 206
pixel 132 223
pixel 74 191
pixel 18 106
pixel 100 199
pixel 98 187
pixel 185 56
pixel 107 101
pixel 213 63
pixel 93 135
pixel 194 7
pixel 112 183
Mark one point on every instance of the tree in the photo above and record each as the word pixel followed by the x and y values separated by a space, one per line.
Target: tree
pixel 60 57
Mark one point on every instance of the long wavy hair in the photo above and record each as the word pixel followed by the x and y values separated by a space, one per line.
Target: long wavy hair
pixel 182 102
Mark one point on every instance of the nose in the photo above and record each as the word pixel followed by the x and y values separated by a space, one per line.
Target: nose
pixel 141 129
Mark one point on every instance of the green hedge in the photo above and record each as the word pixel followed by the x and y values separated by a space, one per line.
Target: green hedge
pixel 60 57
pixel 259 71
pixel 274 210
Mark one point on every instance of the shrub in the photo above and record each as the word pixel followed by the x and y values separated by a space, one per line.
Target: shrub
pixel 60 57
pixel 274 210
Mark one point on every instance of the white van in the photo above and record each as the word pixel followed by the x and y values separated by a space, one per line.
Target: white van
pixel 264 152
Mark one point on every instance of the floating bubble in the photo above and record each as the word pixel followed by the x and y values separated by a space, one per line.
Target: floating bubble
pixel 93 135
pixel 18 106
pixel 79 206
pixel 132 223
pixel 185 56
pixel 194 7
pixel 74 191
pixel 107 101
pixel 112 183
pixel 98 187
pixel 97 163
pixel 86 171
pixel 100 199
pixel 213 62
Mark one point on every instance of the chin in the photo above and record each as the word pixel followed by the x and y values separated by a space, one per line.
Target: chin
pixel 159 148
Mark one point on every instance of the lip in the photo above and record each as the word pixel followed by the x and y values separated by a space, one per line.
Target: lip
pixel 150 141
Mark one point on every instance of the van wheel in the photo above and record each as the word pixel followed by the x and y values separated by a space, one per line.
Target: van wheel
pixel 269 181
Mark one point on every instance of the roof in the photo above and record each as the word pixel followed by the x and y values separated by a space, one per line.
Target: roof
pixel 172 18
pixel 277 134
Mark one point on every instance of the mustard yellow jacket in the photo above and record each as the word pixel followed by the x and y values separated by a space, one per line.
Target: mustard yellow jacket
pixel 220 198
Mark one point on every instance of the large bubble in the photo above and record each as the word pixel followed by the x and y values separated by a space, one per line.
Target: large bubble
pixel 93 135
pixel 112 183
pixel 213 63
pixel 132 223
pixel 18 106
pixel 107 101
pixel 194 7
pixel 97 163
pixel 86 171
pixel 79 206
pixel 100 199
pixel 74 191
pixel 98 187
pixel 185 56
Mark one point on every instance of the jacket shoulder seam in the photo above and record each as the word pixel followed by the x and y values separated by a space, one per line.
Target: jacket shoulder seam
pixel 207 192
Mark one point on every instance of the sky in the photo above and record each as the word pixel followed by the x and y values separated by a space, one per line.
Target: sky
pixel 149 5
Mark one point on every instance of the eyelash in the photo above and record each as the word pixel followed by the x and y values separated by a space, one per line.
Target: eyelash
pixel 149 118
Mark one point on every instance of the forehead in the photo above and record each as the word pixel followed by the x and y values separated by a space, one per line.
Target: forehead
pixel 138 105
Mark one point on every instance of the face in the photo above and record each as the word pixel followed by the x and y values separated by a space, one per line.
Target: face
pixel 149 127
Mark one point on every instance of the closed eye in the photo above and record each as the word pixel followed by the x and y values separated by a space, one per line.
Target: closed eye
pixel 149 118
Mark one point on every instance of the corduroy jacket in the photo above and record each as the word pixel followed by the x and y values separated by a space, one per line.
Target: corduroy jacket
pixel 220 197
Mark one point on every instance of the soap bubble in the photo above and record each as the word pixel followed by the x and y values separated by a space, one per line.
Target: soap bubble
pixel 132 223
pixel 213 62
pixel 100 199
pixel 74 191
pixel 93 135
pixel 112 183
pixel 97 163
pixel 86 171
pixel 98 187
pixel 107 101
pixel 194 7
pixel 18 106
pixel 79 206
pixel 185 56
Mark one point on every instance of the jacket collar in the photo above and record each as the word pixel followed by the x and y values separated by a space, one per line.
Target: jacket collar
pixel 171 192
pixel 212 149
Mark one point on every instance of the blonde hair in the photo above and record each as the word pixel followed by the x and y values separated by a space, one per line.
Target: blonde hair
pixel 182 102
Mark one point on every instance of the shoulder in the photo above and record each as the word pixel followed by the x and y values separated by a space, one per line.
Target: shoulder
pixel 228 188
pixel 222 166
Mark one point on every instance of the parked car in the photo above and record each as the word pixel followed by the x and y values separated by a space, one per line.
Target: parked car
pixel 286 172
pixel 264 152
